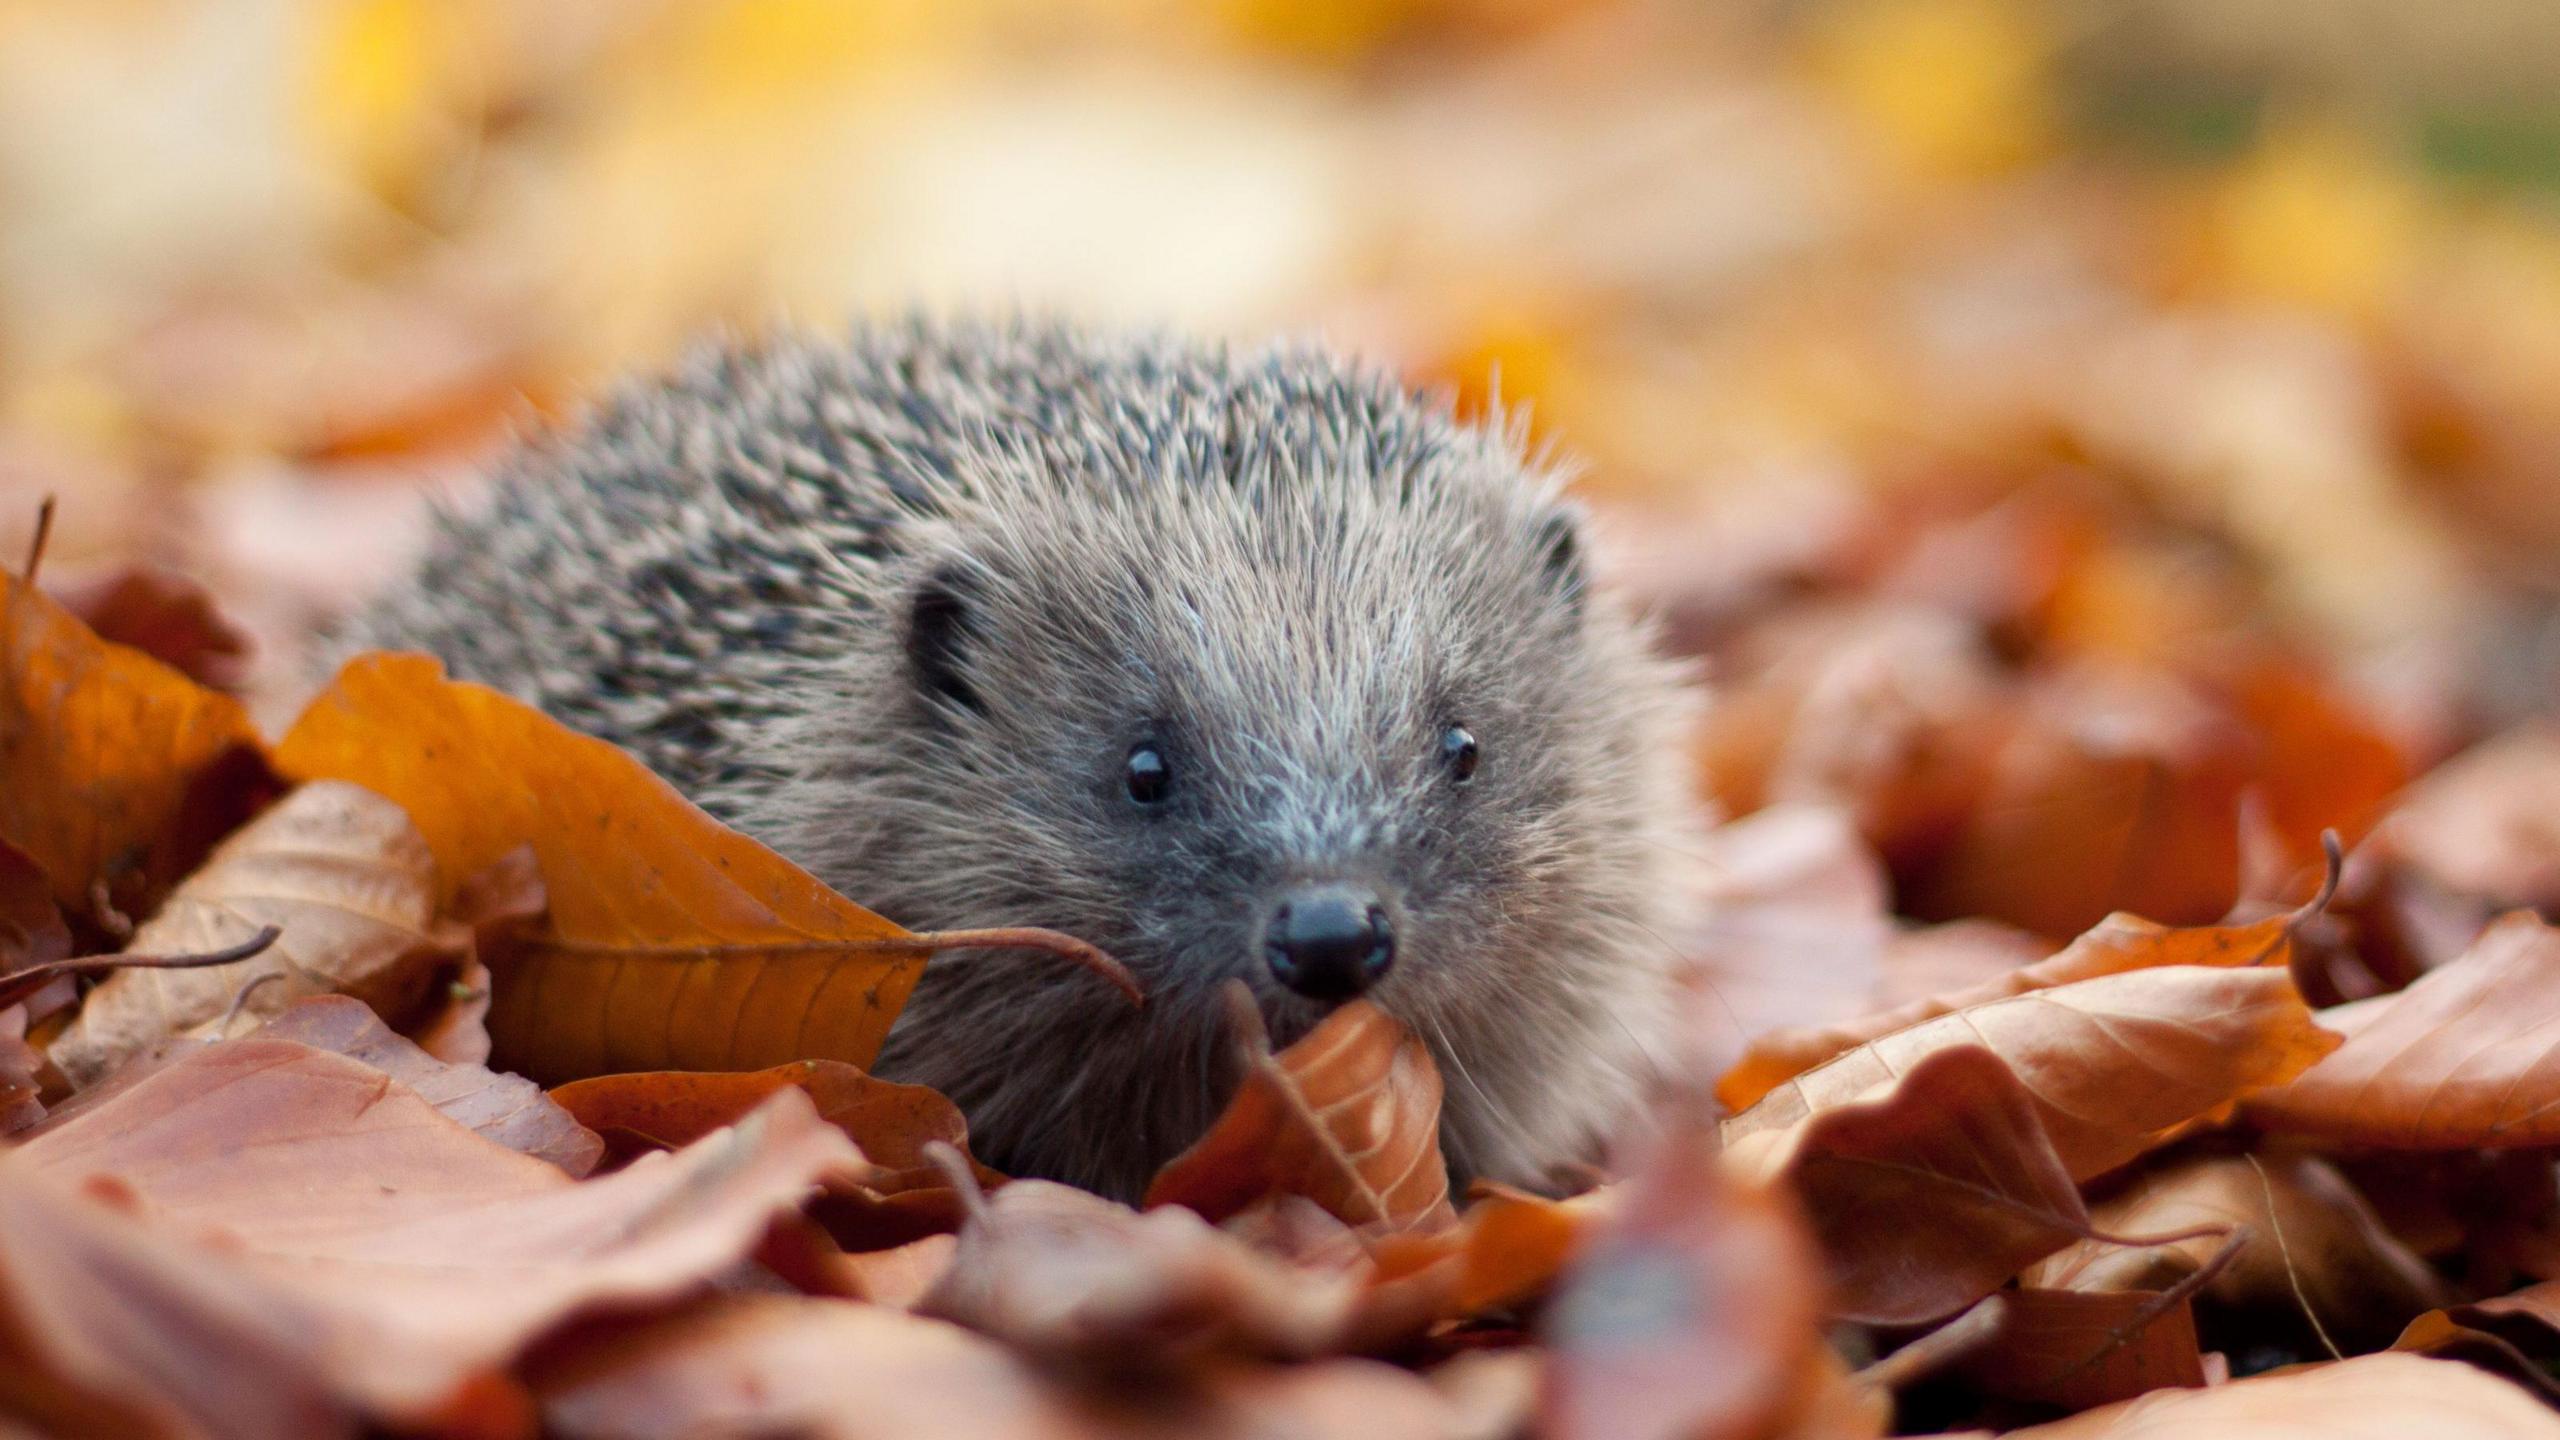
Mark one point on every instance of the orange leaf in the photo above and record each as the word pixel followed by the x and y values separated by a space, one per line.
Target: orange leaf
pixel 115 770
pixel 2076 1349
pixel 892 1124
pixel 2119 943
pixel 2116 1065
pixel 2460 1060
pixel 1348 1117
pixel 672 942
pixel 1928 1193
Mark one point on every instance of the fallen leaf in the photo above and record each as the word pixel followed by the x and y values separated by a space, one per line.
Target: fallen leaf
pixel 1793 921
pixel 1348 1117
pixel 2112 789
pixel 508 1109
pixel 115 770
pixel 2463 1058
pixel 31 928
pixel 898 1277
pixel 1690 1313
pixel 296 1240
pixel 829 1370
pixel 2307 1240
pixel 2077 1349
pixel 671 942
pixel 2371 1397
pixel 2118 944
pixel 1071 1278
pixel 1928 1192
pixel 2484 822
pixel 1929 961
pixel 903 1197
pixel 2515 1335
pixel 2115 1065
pixel 345 878
pixel 166 616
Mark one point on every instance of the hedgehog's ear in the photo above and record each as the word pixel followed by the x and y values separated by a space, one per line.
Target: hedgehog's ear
pixel 1560 564
pixel 940 623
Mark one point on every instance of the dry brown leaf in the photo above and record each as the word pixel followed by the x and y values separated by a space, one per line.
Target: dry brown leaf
pixel 2371 1397
pixel 1928 1192
pixel 166 616
pixel 1691 1313
pixel 2515 1335
pixel 2079 1349
pixel 1069 1277
pixel 31 928
pixel 2115 1065
pixel 1793 921
pixel 1514 1245
pixel 2307 1240
pixel 2483 823
pixel 1348 1117
pixel 671 942
pixel 117 773
pixel 345 878
pixel 2461 1059
pixel 295 1240
pixel 897 1277
pixel 2117 944
pixel 903 1197
pixel 509 1109
pixel 829 1370
pixel 1930 961
pixel 2113 789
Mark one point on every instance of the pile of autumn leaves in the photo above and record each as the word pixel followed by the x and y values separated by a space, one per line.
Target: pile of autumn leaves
pixel 313 1190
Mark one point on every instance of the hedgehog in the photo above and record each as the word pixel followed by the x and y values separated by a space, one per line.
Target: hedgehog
pixel 1241 664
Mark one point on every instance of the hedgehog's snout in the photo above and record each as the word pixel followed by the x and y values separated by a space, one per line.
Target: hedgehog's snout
pixel 1329 942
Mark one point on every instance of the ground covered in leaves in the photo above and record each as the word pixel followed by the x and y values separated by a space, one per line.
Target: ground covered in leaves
pixel 280 1158
pixel 2073 540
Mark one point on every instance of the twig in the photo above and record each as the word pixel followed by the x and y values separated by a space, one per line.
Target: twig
pixel 240 999
pixel 43 537
pixel 19 984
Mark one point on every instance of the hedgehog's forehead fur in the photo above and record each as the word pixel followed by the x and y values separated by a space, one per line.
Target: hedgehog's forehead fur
pixel 1286 572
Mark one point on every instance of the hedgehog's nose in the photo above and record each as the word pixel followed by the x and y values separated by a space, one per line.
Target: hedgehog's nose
pixel 1329 943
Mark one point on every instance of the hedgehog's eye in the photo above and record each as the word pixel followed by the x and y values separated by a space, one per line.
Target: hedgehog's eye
pixel 1458 751
pixel 1149 774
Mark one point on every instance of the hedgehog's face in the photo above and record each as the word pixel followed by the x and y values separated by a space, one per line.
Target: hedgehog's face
pixel 1386 747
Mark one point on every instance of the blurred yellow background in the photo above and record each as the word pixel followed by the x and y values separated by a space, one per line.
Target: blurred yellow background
pixel 2286 271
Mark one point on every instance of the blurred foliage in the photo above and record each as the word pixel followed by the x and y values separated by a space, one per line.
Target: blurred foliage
pixel 268 271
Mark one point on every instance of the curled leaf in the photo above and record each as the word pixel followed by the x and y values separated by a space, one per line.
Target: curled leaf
pixel 1349 1117
pixel 346 882
pixel 2115 1065
pixel 1927 1193
pixel 2462 1059
pixel 904 1196
pixel 670 942
pixel 2117 944
pixel 117 773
